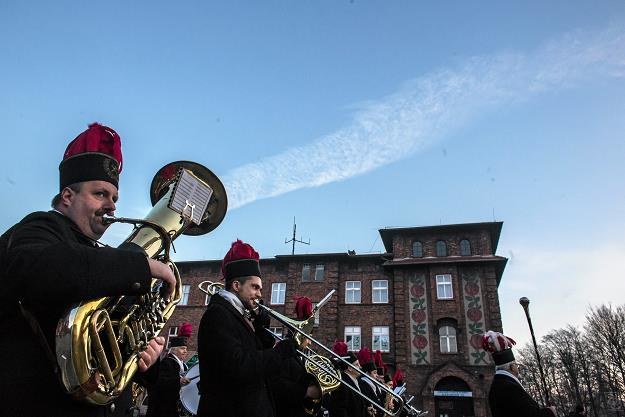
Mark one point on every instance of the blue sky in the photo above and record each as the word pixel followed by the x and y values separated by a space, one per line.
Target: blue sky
pixel 350 116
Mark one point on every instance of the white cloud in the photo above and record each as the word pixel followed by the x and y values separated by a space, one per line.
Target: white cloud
pixel 561 285
pixel 427 109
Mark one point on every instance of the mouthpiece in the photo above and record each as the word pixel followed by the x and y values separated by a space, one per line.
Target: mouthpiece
pixel 107 220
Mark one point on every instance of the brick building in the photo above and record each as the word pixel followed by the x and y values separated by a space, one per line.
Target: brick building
pixel 424 303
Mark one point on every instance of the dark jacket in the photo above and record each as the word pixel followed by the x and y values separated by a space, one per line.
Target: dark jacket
pixel 344 402
pixel 367 390
pixel 289 390
pixel 164 393
pixel 508 399
pixel 49 265
pixel 235 364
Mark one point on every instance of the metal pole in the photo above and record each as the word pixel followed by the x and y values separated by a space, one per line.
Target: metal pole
pixel 525 302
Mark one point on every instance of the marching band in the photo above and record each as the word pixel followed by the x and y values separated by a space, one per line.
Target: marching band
pixel 85 319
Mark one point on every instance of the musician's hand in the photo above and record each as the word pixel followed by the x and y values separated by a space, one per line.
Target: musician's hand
pixel 149 356
pixel 313 391
pixel 371 411
pixel 184 380
pixel 261 319
pixel 163 272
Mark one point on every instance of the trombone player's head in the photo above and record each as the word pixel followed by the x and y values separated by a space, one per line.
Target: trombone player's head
pixel 241 272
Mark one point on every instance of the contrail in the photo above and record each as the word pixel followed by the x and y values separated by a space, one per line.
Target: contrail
pixel 426 109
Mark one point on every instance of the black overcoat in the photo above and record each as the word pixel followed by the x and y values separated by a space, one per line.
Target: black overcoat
pixel 344 402
pixel 235 364
pixel 164 393
pixel 289 389
pixel 507 398
pixel 366 389
pixel 49 265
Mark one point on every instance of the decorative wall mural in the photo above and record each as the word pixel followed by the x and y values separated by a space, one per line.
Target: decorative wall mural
pixel 419 333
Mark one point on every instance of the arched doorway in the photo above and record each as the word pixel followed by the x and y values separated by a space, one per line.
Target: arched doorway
pixel 453 398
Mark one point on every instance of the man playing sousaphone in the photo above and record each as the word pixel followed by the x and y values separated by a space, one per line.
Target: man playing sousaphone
pixel 51 260
pixel 296 392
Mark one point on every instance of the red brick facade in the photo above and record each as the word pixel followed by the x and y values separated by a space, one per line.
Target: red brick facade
pixel 412 309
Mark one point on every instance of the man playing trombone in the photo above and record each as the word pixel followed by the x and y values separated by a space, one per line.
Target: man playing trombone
pixel 296 392
pixel 236 353
pixel 345 402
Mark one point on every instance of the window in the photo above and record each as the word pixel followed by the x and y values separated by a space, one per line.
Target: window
pixel 447 336
pixel 441 248
pixel 186 289
pixel 380 339
pixel 319 272
pixel 379 291
pixel 417 249
pixel 444 289
pixel 465 247
pixel 278 290
pixel 276 330
pixel 352 337
pixel 352 292
pixel 306 272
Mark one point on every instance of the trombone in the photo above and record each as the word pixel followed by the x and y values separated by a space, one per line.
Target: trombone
pixel 315 361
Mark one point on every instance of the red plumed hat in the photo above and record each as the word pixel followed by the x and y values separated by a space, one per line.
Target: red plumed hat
pixel 379 363
pixel 499 346
pixel 364 355
pixel 303 308
pixel 340 348
pixel 95 155
pixel 240 261
pixel 398 378
pixel 185 329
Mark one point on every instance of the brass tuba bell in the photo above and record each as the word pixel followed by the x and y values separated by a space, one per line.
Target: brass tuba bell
pixel 98 341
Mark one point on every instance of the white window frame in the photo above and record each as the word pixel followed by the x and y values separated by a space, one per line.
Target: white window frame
pixel 306 272
pixel 184 300
pixel 354 333
pixel 319 271
pixel 448 339
pixel 383 338
pixel 276 330
pixel 278 293
pixel 350 288
pixel 382 290
pixel 444 287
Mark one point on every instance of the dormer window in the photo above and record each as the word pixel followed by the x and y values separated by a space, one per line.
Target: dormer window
pixel 465 247
pixel 441 248
pixel 417 249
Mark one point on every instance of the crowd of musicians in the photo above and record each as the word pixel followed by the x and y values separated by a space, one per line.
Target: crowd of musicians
pixel 51 260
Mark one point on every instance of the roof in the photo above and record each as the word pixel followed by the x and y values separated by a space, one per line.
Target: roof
pixel 494 228
pixel 499 261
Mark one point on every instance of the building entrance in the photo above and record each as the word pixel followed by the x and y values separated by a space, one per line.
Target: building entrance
pixel 453 398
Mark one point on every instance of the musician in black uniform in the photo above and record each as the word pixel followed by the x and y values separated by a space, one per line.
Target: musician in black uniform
pixel 507 397
pixel 52 260
pixel 345 402
pixel 296 392
pixel 164 393
pixel 236 352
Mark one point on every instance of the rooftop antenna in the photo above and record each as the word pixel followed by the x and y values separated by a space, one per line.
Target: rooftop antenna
pixel 293 239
